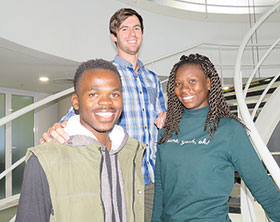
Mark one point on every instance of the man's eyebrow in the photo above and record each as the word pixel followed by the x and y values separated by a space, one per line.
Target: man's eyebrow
pixel 126 26
pixel 98 89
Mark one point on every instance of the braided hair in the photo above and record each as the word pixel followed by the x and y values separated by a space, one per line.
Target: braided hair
pixel 218 107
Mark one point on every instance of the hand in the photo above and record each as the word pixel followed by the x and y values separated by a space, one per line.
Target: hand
pixel 56 132
pixel 160 121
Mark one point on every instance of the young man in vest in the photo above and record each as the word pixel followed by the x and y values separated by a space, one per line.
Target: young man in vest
pixel 144 106
pixel 96 175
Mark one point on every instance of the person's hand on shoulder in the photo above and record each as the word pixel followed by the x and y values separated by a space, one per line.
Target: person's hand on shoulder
pixel 160 121
pixel 55 132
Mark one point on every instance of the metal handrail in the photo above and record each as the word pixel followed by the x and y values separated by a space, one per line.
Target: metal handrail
pixel 259 144
pixel 207 45
pixel 263 95
pixel 12 199
pixel 35 105
pixel 22 111
pixel 258 66
pixel 16 164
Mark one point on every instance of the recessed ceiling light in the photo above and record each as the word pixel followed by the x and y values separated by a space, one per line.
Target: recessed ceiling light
pixel 44 79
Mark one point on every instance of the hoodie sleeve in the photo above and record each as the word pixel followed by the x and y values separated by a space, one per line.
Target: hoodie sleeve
pixel 35 202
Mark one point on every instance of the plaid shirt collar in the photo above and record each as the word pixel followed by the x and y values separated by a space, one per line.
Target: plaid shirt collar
pixel 122 62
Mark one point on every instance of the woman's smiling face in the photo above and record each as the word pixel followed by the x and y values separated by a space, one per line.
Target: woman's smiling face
pixel 192 86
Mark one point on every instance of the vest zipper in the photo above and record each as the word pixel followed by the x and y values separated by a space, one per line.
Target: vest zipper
pixel 100 179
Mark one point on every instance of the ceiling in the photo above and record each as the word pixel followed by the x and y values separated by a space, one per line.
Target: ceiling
pixel 217 10
pixel 21 68
pixel 219 6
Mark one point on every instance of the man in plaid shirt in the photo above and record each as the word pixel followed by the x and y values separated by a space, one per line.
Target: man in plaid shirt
pixel 143 100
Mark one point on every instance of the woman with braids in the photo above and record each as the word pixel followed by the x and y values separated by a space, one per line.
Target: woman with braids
pixel 200 148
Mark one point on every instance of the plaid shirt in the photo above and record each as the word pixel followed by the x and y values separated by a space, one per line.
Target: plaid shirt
pixel 143 100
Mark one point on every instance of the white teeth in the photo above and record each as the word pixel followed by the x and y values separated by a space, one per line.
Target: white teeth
pixel 187 97
pixel 105 115
pixel 132 41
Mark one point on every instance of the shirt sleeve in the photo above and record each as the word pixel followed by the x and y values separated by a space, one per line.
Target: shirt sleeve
pixel 70 113
pixel 35 202
pixel 251 170
pixel 160 102
pixel 157 207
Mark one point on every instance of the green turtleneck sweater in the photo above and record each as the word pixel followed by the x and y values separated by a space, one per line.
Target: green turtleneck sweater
pixel 194 176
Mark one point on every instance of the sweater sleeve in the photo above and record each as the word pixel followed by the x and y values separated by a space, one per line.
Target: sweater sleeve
pixel 35 203
pixel 157 208
pixel 251 170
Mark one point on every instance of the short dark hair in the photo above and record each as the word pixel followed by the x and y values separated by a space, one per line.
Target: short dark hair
pixel 121 15
pixel 93 64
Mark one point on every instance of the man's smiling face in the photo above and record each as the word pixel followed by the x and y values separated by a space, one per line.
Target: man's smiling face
pixel 99 100
pixel 129 36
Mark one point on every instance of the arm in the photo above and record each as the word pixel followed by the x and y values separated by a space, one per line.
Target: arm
pixel 160 121
pixel 56 131
pixel 254 175
pixel 157 208
pixel 160 106
pixel 35 203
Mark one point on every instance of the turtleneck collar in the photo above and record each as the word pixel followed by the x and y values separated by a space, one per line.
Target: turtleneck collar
pixel 196 112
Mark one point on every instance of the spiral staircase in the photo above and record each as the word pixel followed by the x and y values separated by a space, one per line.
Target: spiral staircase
pixel 255 90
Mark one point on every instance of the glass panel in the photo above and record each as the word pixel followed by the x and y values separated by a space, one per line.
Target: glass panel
pixel 22 136
pixel 2 145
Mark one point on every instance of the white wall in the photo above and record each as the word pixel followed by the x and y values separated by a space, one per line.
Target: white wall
pixel 70 29
pixel 78 30
pixel 64 104
pixel 45 117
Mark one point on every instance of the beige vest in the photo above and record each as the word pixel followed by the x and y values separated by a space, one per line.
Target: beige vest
pixel 73 175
